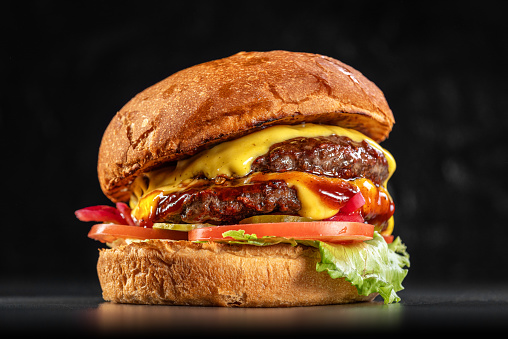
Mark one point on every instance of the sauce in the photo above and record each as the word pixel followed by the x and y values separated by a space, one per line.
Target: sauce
pixel 379 206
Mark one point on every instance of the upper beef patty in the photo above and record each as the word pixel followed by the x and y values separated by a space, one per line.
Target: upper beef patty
pixel 332 156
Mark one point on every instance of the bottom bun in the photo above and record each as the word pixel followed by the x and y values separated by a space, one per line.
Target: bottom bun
pixel 213 274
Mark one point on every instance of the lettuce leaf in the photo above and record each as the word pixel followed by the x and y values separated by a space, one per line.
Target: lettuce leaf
pixel 372 266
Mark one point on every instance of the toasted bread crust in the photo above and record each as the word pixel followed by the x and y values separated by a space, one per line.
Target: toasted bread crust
pixel 212 274
pixel 223 99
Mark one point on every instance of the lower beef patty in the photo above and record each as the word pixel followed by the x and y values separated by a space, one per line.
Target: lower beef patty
pixel 224 203
pixel 217 204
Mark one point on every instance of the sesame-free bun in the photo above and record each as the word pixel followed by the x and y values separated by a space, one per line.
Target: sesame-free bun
pixel 223 99
pixel 213 274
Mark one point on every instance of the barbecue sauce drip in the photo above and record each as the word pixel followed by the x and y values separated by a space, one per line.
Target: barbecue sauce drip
pixel 379 206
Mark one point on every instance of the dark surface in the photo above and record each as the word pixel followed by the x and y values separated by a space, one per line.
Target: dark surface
pixel 78 308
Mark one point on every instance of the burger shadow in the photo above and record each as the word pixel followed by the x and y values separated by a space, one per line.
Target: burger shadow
pixel 111 318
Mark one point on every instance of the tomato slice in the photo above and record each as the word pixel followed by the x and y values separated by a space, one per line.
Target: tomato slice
pixel 111 232
pixel 329 231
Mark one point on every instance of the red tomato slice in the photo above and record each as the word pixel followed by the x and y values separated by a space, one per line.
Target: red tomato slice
pixel 111 232
pixel 329 231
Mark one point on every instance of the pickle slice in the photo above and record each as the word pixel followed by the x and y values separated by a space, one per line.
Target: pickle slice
pixel 270 218
pixel 178 227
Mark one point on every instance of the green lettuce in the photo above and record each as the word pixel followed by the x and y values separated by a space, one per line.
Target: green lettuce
pixel 372 266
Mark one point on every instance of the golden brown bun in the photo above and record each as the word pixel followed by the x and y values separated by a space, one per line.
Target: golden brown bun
pixel 223 99
pixel 212 274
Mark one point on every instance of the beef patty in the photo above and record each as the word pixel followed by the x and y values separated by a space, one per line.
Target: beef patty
pixel 332 156
pixel 225 204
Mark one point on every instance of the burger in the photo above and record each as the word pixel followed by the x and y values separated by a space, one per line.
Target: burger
pixel 255 180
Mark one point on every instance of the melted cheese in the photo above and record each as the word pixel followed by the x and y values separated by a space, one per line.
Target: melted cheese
pixel 233 159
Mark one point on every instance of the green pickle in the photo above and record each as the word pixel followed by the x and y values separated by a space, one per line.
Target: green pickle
pixel 257 219
pixel 178 227
pixel 269 218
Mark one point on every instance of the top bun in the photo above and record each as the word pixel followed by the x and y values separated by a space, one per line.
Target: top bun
pixel 224 99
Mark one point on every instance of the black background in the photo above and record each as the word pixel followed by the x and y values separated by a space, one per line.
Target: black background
pixel 67 68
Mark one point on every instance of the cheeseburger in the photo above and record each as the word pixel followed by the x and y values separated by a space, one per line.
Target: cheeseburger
pixel 255 180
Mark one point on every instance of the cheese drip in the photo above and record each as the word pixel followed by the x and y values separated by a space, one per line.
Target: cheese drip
pixel 233 159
